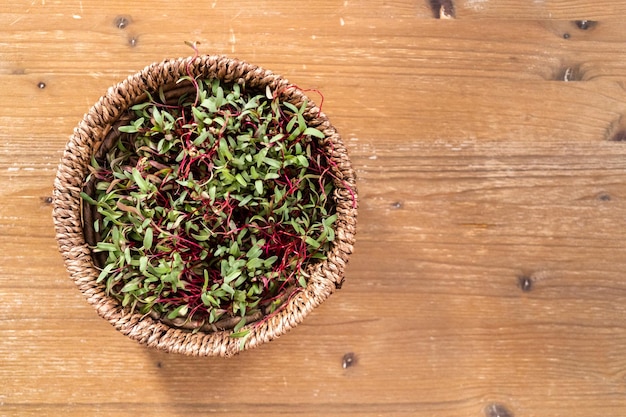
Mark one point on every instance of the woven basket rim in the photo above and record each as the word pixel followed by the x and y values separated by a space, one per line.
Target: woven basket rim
pixel 326 276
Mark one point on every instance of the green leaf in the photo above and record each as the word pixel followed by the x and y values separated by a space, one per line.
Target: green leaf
pixel 253 172
pixel 227 177
pixel 242 333
pixel 258 185
pixel 199 115
pixel 140 181
pixel 302 281
pixel 234 250
pixel 127 256
pixel 278 194
pixel 105 271
pixel 258 158
pixel 141 106
pixel 312 242
pixel 104 246
pixel 212 191
pixel 143 263
pixel 291 124
pixel 201 137
pixel 239 325
pixel 328 221
pixel 240 180
pixel 158 117
pixel 180 311
pixel 277 138
pixel 272 162
pixel 223 149
pixel 227 288
pixel 202 236
pixel 219 251
pixel 231 276
pixel 128 129
pixel 301 122
pixel 254 263
pixel 209 104
pixel 270 261
pixel 311 131
pixel 219 97
pixel 254 252
pixel 208 300
pixel 271 176
pixel 245 201
pixel 88 198
pixel 240 297
pixel 131 286
pixel 147 239
pixel 303 161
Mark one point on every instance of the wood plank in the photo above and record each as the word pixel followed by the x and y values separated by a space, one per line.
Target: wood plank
pixel 425 47
pixel 539 9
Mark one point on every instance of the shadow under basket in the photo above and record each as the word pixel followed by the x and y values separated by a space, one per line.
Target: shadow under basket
pixel 96 132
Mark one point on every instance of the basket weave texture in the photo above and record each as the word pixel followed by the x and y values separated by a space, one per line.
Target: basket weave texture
pixel 99 126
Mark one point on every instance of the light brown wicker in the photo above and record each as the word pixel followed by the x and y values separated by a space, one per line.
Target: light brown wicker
pixel 99 125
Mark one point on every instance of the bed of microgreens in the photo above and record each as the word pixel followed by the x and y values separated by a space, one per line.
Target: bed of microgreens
pixel 212 207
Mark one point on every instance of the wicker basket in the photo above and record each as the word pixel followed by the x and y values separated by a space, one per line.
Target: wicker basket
pixel 99 127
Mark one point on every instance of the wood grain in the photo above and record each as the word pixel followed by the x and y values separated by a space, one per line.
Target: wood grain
pixel 488 273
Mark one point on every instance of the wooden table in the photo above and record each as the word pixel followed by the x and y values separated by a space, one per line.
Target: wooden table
pixel 491 154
